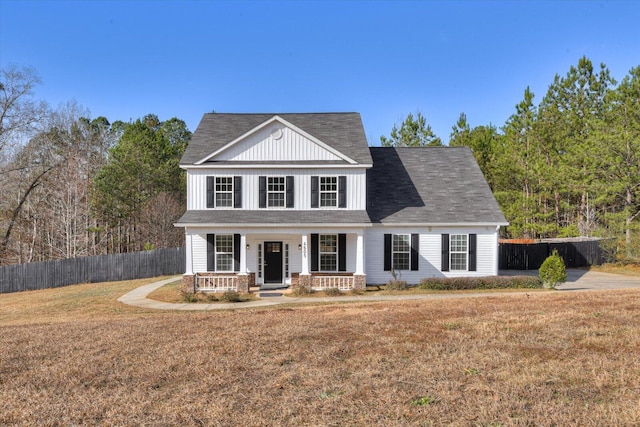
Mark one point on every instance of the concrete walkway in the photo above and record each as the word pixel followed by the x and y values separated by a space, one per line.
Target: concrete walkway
pixel 578 280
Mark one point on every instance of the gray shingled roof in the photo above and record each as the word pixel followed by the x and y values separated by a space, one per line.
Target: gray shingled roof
pixel 342 131
pixel 432 185
pixel 274 217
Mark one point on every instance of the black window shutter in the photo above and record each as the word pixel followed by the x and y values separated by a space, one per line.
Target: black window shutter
pixel 473 239
pixel 314 252
pixel 445 253
pixel 342 252
pixel 315 192
pixel 211 252
pixel 262 182
pixel 236 252
pixel 237 191
pixel 387 252
pixel 415 251
pixel 289 191
pixel 211 191
pixel 342 191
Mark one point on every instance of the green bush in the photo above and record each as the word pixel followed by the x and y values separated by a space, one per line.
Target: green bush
pixel 474 283
pixel 552 271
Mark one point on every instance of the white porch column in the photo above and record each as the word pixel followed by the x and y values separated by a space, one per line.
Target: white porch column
pixel 305 256
pixel 360 253
pixel 189 255
pixel 243 254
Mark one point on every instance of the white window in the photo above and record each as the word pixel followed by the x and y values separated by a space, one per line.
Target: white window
pixel 328 191
pixel 459 251
pixel 224 252
pixel 224 191
pixel 276 191
pixel 328 252
pixel 401 251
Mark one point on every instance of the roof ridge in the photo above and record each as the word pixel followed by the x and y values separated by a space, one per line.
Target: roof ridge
pixel 284 113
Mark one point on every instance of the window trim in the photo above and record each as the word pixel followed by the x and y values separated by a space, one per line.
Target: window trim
pixel 334 192
pixel 215 186
pixel 283 192
pixel 333 253
pixel 216 253
pixel 394 251
pixel 453 252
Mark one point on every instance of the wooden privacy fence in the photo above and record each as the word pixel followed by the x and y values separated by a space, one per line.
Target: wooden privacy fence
pixel 530 256
pixel 102 268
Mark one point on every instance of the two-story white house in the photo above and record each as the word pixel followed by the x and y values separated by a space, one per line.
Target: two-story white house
pixel 288 199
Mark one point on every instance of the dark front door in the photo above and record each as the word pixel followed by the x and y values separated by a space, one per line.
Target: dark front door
pixel 272 262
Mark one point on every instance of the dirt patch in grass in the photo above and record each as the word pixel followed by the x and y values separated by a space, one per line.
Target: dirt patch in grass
pixel 521 359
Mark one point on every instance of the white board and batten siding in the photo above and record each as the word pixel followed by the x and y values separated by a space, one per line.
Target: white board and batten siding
pixel 430 253
pixel 276 142
pixel 197 186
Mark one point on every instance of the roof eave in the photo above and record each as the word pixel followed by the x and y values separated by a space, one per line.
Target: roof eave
pixel 271 225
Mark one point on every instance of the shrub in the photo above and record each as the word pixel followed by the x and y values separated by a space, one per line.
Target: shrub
pixel 302 291
pixel 188 296
pixel 212 297
pixel 552 271
pixel 230 296
pixel 332 292
pixel 471 283
pixel 396 285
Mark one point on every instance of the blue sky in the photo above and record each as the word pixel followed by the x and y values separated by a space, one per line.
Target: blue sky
pixel 384 59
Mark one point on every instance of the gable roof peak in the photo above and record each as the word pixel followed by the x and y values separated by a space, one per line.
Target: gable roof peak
pixel 342 132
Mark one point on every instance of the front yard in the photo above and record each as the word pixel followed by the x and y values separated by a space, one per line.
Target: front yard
pixel 76 356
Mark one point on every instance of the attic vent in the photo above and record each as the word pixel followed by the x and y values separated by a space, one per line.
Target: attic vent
pixel 277 134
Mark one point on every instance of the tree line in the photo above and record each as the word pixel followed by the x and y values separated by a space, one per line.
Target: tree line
pixel 567 166
pixel 75 186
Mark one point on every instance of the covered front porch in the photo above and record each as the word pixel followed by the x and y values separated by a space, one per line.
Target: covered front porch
pixel 222 259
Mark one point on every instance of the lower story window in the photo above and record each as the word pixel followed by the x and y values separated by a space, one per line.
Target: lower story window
pixel 401 251
pixel 459 250
pixel 328 252
pixel 224 252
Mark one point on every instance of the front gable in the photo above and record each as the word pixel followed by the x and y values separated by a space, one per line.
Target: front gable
pixel 276 140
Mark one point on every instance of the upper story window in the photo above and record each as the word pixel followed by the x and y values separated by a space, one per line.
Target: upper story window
pixel 458 252
pixel 224 192
pixel 276 191
pixel 401 251
pixel 328 191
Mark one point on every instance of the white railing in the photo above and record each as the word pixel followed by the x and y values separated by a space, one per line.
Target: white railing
pixel 344 283
pixel 217 283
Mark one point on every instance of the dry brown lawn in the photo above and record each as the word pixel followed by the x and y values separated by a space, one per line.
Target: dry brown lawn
pixel 76 356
